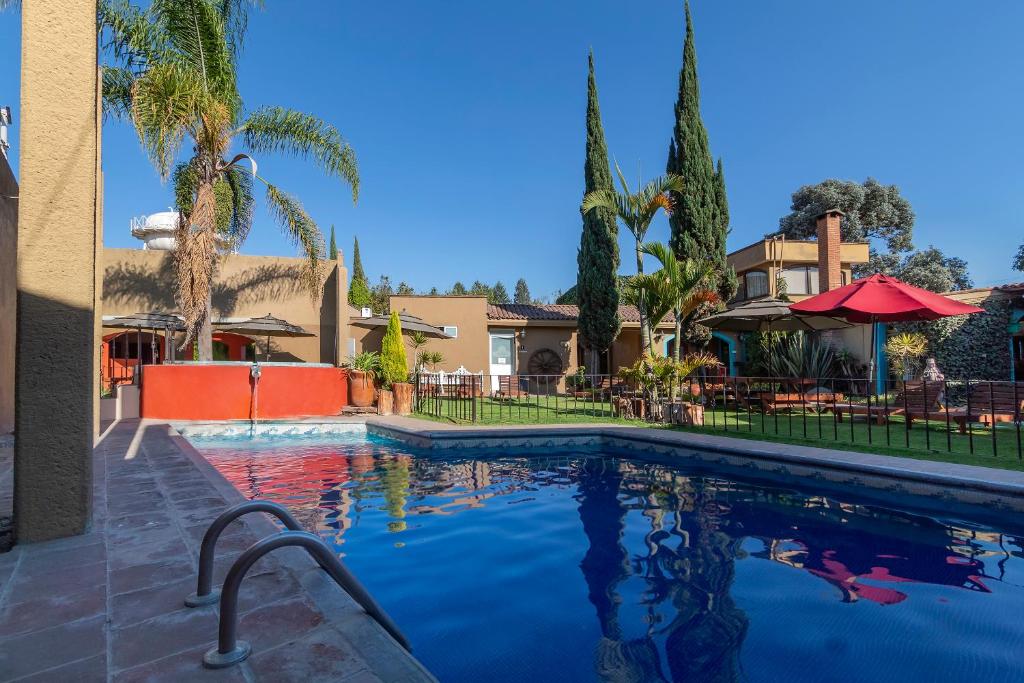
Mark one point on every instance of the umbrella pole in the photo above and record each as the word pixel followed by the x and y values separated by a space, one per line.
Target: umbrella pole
pixel 138 357
pixel 871 356
pixel 267 355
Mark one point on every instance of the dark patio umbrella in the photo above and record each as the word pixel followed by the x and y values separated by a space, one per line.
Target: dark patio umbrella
pixel 769 315
pixel 154 320
pixel 409 322
pixel 266 326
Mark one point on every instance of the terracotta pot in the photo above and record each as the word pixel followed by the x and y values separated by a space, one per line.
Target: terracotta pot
pixel 360 388
pixel 403 397
pixel 693 415
pixel 385 403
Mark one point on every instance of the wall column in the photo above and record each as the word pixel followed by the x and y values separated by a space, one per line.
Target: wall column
pixel 56 380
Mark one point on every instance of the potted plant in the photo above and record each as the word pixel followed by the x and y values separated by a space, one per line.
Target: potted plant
pixel 904 351
pixel 691 412
pixel 578 383
pixel 362 373
pixel 396 392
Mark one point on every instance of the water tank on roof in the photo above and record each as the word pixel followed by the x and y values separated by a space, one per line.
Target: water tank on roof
pixel 156 230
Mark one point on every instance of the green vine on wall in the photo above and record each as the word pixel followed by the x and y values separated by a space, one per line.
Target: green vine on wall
pixel 970 346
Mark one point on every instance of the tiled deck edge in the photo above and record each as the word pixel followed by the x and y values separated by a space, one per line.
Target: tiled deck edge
pixel 966 483
pixel 388 660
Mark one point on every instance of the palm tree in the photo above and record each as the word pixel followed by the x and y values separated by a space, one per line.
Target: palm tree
pixel 685 283
pixel 174 76
pixel 636 211
pixel 417 340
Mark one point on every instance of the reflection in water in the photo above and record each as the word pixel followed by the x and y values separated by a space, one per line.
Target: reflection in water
pixel 657 548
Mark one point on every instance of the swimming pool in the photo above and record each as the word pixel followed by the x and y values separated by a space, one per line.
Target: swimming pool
pixel 586 566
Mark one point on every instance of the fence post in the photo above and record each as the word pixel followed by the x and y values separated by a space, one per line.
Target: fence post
pixel 472 394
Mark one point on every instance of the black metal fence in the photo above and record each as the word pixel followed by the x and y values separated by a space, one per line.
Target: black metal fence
pixel 969 417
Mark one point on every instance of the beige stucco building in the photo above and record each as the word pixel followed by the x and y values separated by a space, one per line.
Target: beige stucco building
pixel 543 339
pixel 142 281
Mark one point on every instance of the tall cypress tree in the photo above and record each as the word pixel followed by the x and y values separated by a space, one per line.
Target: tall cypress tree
pixel 699 227
pixel 598 256
pixel 728 284
pixel 695 221
pixel 359 289
pixel 333 251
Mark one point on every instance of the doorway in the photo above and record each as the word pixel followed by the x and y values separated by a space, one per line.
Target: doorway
pixel 503 356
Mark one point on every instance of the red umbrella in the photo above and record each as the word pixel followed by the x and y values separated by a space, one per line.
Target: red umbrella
pixel 882 299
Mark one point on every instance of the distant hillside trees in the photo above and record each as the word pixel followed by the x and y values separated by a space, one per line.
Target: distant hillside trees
pixel 499 295
pixel 522 295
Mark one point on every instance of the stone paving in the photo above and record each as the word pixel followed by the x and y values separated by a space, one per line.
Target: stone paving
pixel 107 606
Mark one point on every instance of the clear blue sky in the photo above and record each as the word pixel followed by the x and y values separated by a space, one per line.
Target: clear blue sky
pixel 468 120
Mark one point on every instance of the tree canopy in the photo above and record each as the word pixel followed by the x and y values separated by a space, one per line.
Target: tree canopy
pixel 499 295
pixel 380 295
pixel 928 269
pixel 873 210
pixel 522 295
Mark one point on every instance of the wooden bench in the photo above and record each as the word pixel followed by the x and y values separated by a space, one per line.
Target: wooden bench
pixel 989 403
pixel 771 402
pixel 918 400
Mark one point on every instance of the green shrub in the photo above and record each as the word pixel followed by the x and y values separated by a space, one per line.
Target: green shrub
pixel 393 365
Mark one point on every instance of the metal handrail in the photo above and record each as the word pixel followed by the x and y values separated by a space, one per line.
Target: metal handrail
pixel 230 650
pixel 205 594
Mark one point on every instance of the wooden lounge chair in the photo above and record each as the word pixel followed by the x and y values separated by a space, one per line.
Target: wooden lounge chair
pixel 916 401
pixel 510 387
pixel 989 403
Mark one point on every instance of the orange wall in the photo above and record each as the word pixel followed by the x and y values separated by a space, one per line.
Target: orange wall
pixel 224 392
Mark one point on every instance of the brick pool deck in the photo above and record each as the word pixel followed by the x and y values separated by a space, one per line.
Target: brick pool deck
pixel 107 606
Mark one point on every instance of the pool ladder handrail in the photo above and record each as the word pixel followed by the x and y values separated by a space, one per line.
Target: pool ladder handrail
pixel 229 649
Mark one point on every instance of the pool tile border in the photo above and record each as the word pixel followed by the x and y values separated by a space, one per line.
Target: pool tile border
pixel 938 483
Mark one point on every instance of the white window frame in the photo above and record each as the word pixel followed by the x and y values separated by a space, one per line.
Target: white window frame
pixel 451 330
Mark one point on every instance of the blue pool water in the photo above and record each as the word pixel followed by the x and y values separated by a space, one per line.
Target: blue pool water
pixel 578 566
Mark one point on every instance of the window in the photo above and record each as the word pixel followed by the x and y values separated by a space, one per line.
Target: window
pixel 801 279
pixel 755 284
pixel 451 330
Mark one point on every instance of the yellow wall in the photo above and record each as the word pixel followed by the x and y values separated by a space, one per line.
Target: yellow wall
pixel 56 373
pixel 8 291
pixel 468 313
pixel 137 280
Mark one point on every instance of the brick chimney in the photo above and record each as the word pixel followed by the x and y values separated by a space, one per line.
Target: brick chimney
pixel 830 275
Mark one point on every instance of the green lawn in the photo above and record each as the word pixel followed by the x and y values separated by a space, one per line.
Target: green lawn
pixel 926 441
pixel 536 409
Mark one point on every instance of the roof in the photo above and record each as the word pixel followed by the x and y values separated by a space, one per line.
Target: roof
pixel 554 312
pixel 1011 288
